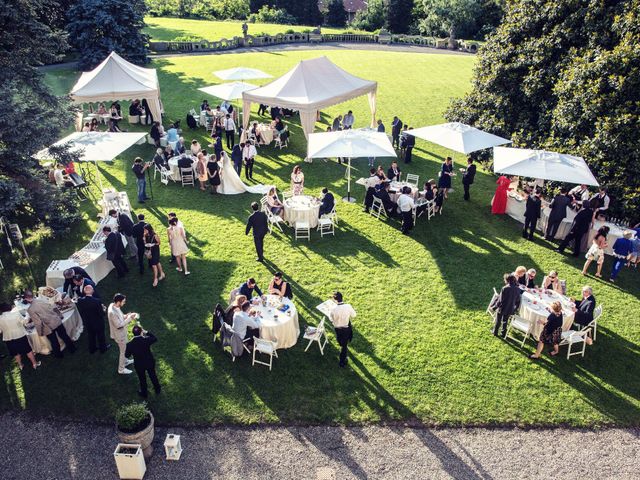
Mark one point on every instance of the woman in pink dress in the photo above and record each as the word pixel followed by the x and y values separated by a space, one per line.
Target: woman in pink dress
pixel 499 203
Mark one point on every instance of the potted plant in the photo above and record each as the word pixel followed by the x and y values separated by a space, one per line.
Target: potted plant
pixel 130 461
pixel 134 424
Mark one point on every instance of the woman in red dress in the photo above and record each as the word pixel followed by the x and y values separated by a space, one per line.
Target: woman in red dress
pixel 499 203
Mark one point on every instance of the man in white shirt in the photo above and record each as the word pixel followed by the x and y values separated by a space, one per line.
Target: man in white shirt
pixel 225 106
pixel 348 121
pixel 118 330
pixel 370 185
pixel 249 153
pixel 229 131
pixel 61 179
pixel 245 325
pixel 341 317
pixel 579 194
pixel 406 204
pixel 600 203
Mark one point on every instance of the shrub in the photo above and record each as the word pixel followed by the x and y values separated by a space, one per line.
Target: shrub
pixel 268 14
pixel 133 417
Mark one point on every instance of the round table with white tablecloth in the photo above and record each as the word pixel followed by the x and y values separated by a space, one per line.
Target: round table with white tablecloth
pixel 302 208
pixel 265 131
pixel 396 187
pixel 534 306
pixel 175 170
pixel 275 325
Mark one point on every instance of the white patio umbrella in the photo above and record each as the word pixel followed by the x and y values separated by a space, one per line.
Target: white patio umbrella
pixel 96 146
pixel 541 164
pixel 228 91
pixel 241 73
pixel 351 144
pixel 458 137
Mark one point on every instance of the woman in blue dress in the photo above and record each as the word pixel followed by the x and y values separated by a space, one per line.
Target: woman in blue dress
pixel 444 182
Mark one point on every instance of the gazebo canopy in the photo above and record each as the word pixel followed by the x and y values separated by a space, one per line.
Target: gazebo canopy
pixel 310 86
pixel 458 137
pixel 116 79
pixel 228 91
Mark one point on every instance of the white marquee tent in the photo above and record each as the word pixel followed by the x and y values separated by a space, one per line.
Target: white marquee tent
pixel 310 86
pixel 116 79
pixel 541 164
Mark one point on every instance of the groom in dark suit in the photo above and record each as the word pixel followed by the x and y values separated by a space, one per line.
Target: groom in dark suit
pixel 260 224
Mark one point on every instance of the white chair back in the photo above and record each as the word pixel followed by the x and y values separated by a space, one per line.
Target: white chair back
pixel 412 179
pixel 266 347
pixel 187 176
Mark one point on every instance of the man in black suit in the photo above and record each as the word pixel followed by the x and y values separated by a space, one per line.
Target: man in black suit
pixel 468 176
pixel 185 162
pixel 125 227
pixel 259 222
pixel 390 206
pixel 558 207
pixel 411 142
pixel 507 304
pixel 92 314
pixel 580 227
pixel 68 274
pixel 584 309
pixel 531 214
pixel 80 282
pixel 396 128
pixel 143 362
pixel 115 251
pixel 137 231
pixel 327 202
pixel 394 172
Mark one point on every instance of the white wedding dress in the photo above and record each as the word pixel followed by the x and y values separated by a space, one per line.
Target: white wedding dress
pixel 230 183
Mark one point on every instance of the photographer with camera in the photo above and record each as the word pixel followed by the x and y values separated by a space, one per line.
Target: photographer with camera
pixel 139 168
pixel 143 362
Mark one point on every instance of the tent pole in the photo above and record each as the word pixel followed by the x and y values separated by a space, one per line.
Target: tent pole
pixel 349 198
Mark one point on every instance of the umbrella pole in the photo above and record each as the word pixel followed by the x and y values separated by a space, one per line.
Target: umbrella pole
pixel 349 198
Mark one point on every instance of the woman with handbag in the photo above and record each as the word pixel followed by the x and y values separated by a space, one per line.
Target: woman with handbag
pixel 152 252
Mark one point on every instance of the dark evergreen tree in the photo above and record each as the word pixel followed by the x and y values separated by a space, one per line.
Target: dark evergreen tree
pixel 336 15
pixel 255 5
pixel 31 117
pixel 399 16
pixel 98 27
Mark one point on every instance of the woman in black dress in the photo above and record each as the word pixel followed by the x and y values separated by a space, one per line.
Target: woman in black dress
pixel 213 169
pixel 444 182
pixel 551 333
pixel 152 252
pixel 15 336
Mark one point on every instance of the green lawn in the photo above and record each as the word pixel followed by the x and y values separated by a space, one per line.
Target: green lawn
pixel 422 348
pixel 167 28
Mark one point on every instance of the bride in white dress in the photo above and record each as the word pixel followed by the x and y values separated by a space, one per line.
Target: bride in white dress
pixel 230 183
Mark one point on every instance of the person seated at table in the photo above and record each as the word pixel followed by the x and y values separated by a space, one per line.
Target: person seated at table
pixel 521 275
pixel 87 127
pixel 79 282
pixel 160 160
pixel 102 110
pixel 94 125
pixel 180 146
pixel 274 203
pixel 12 325
pixel 530 278
pixel 195 147
pixel 248 287
pixel 381 175
pixel 156 133
pixel 585 307
pixel 551 333
pixel 168 152
pixel 327 202
pixel 113 126
pixel 115 113
pixel 235 306
pixel 393 174
pixel 390 206
pixel 552 282
pixel 428 193
pixel 279 287
pixel 135 110
pixel 278 126
pixel 62 180
pixel 69 275
pixel 172 134
pixel 185 162
pixel 245 324
pixel 256 133
pixel 297 181
pixel 204 105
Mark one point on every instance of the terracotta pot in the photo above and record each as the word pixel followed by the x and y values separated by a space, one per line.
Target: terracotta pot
pixel 144 437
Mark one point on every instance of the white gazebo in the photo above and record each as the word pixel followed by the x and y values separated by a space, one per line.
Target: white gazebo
pixel 116 79
pixel 309 87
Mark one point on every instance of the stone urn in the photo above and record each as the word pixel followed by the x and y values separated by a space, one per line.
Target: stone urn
pixel 143 437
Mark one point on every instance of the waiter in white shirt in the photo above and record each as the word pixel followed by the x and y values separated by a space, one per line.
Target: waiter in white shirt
pixel 579 194
pixel 229 131
pixel 118 323
pixel 249 153
pixel 341 317
pixel 370 185
pixel 600 202
pixel 406 204
pixel 348 121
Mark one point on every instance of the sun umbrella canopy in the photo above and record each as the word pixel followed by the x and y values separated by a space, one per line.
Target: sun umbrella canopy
pixel 541 164
pixel 241 73
pixel 350 143
pixel 97 146
pixel 458 137
pixel 228 91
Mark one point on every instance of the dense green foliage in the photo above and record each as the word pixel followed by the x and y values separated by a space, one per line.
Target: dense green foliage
pixel 98 27
pixel 336 15
pixel 132 417
pixel 219 9
pixel 30 118
pixel 399 17
pixel 371 18
pixel 565 76
pixel 459 18
pixel 267 14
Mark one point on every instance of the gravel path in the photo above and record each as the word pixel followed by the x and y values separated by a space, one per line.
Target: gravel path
pixel 52 450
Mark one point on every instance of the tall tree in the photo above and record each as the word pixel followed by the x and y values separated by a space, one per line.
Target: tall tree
pixel 399 16
pixel 564 75
pixel 306 12
pixel 453 18
pixel 255 5
pixel 336 15
pixel 98 27
pixel 26 43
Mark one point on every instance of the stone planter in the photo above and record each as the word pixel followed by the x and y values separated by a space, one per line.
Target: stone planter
pixel 130 461
pixel 144 437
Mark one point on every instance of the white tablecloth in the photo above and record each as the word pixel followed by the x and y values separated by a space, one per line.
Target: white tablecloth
pixel 112 200
pixel 394 193
pixel 534 307
pixel 283 330
pixel 72 324
pixel 265 130
pixel 175 171
pixel 301 208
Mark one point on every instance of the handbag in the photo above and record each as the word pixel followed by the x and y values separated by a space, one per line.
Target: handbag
pixel 147 253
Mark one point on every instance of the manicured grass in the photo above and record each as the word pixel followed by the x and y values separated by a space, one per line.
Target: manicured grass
pixel 422 348
pixel 166 28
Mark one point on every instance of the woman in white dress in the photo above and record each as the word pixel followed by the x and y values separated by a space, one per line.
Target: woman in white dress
pixel 297 181
pixel 178 243
pixel 230 183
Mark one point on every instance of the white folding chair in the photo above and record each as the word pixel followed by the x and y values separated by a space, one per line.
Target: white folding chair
pixel 574 337
pixel 412 179
pixel 431 209
pixel 274 220
pixel 266 347
pixel 597 313
pixel 195 115
pixel 233 333
pixel 156 170
pixel 165 176
pixel 282 143
pixel 287 194
pixel 325 226
pixel 187 176
pixel 414 214
pixel 302 230
pixel 377 208
pixel 520 325
pixel 315 334
pixel 493 312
